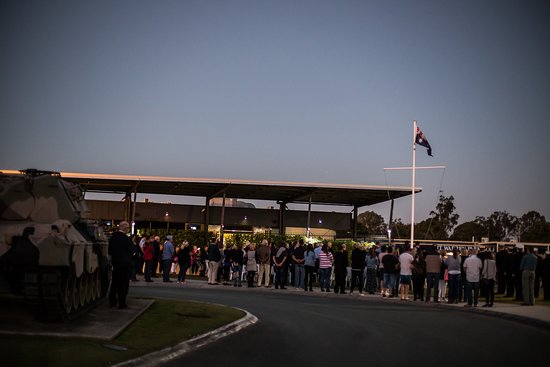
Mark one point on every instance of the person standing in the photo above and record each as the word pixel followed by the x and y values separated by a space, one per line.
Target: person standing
pixel 121 249
pixel 472 267
pixel 325 268
pixel 501 259
pixel 390 263
pixel 156 256
pixel 545 275
pixel 280 258
pixel 184 261
pixel 148 258
pixel 405 272
pixel 237 259
pixel 433 271
pixel 264 260
pixel 340 270
pixel 443 277
pixel 357 268
pixel 214 257
pixel 453 268
pixel 309 267
pixel 371 265
pixel 251 264
pixel 419 275
pixel 168 253
pixel 299 267
pixel 488 278
pixel 528 266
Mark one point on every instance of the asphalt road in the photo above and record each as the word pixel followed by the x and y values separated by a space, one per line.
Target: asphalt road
pixel 344 331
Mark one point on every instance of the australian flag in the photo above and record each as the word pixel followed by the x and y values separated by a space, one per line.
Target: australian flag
pixel 421 140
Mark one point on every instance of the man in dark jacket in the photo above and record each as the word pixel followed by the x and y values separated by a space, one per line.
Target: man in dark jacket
pixel 357 268
pixel 340 270
pixel 121 250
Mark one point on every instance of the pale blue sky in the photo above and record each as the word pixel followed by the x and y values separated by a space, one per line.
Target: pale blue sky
pixel 319 91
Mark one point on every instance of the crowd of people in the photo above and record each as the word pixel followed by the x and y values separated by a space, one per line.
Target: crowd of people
pixel 421 273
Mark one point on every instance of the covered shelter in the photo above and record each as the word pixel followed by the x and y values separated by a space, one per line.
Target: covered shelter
pixel 282 192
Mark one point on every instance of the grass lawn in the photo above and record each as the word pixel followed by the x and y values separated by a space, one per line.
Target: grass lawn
pixel 164 324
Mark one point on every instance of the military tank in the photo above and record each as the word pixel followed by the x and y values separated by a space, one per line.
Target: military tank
pixel 51 255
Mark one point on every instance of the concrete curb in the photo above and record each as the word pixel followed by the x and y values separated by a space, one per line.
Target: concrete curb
pixel 178 350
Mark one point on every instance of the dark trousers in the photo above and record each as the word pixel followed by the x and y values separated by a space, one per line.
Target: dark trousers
pixel 454 287
pixel 501 277
pixel 250 276
pixel 148 270
pixel 166 266
pixel 309 270
pixel 471 286
pixel 510 284
pixel 279 277
pixel 489 285
pixel 339 282
pixel 433 282
pixel 154 267
pixel 418 286
pixel 119 286
pixel 356 276
pixel 183 270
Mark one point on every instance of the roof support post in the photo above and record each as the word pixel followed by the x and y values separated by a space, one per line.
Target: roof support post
pixel 355 222
pixel 206 221
pixel 127 206
pixel 282 228
pixel 223 215
pixel 308 232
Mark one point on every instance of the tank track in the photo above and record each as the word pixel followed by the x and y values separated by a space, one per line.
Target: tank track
pixel 55 295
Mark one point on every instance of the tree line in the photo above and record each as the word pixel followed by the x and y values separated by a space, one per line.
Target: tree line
pixel 442 224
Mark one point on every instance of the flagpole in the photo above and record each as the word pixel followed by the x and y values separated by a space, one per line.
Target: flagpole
pixel 413 183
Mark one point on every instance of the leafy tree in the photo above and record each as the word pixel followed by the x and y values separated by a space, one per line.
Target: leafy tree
pixel 467 230
pixel 430 229
pixel 400 230
pixel 444 215
pixel 533 227
pixel 499 226
pixel 371 223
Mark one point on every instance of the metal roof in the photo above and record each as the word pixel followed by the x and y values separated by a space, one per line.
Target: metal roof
pixel 288 192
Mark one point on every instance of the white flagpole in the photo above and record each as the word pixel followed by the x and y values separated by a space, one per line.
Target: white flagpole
pixel 413 182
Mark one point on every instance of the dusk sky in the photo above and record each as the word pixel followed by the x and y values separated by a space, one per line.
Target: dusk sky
pixel 316 91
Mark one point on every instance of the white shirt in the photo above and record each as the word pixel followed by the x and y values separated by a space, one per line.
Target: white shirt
pixel 405 261
pixel 472 267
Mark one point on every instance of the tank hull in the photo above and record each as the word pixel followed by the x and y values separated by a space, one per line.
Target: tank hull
pixel 51 256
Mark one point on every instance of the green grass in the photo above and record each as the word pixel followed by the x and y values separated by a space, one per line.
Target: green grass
pixel 164 324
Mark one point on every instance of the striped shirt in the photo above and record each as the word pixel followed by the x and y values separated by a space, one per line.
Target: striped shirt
pixel 325 260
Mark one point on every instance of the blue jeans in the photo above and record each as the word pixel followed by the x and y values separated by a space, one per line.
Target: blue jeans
pixel 454 287
pixel 389 280
pixel 468 290
pixel 324 278
pixel 299 272
pixel 237 275
pixel 433 282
